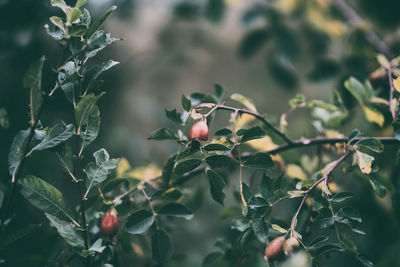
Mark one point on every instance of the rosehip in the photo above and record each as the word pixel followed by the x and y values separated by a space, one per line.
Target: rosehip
pixel 290 245
pixel 199 131
pixel 109 224
pixel 274 248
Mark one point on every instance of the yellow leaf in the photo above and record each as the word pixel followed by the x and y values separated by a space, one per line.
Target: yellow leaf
pixel 373 115
pixel 243 120
pixel 364 162
pixel 333 134
pixel 123 167
pixel 145 172
pixel 278 228
pixel 262 144
pixel 294 171
pixel 396 84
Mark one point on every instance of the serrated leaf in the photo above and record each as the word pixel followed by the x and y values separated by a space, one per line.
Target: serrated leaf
pixel 33 81
pixel 160 246
pixel 95 26
pixel 94 72
pixel 45 197
pixel 139 222
pixel 163 134
pixel 217 184
pixel 90 127
pixel 342 196
pixel 186 103
pixel 247 102
pixel 373 115
pixel 355 87
pixel 372 144
pixel 15 154
pixel 364 161
pixel 176 210
pixel 252 133
pixel 260 228
pixel 55 136
pixel 220 161
pixel 259 161
pixel 98 171
pixel 68 231
pixel 73 14
pixel 84 109
pixel 186 166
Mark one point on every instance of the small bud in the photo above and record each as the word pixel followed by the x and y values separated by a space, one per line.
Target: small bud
pixel 199 131
pixel 109 224
pixel 274 248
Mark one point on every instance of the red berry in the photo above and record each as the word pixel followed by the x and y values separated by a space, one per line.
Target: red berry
pixel 290 245
pixel 274 248
pixel 199 131
pixel 109 224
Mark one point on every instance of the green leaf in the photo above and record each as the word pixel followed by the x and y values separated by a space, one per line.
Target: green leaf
pixel 217 184
pixel 168 169
pixel 84 109
pixel 252 42
pixel 176 210
pixel 186 103
pixel 163 134
pixel 223 132
pixel 15 154
pixel 371 144
pixel 355 88
pixel 98 23
pixel 60 4
pixel 139 222
pixel 173 115
pixel 80 3
pixel 211 258
pixel 90 127
pixel 45 197
pixel 364 161
pixel 94 72
pixel 73 14
pixel 347 243
pixel 299 100
pixel 216 147
pixel 354 134
pixel 322 105
pixel 68 231
pixel 247 102
pixel 160 246
pixel 252 133
pixel 98 42
pixel 378 186
pixel 266 187
pixel 218 92
pixel 220 161
pixel 240 224
pixel 55 136
pixel 350 213
pixel 98 171
pixel 33 81
pixel 13 236
pixel 58 22
pixel 64 155
pixel 186 166
pixel 97 246
pixel 257 202
pixel 259 161
pixel 342 196
pixel 260 228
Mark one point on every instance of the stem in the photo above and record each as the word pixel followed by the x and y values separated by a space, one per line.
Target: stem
pixel 150 205
pixel 254 114
pixel 355 19
pixel 324 178
pixel 391 106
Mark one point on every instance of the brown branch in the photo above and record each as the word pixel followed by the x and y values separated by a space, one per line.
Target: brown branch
pixel 331 168
pixel 355 19
pixel 391 92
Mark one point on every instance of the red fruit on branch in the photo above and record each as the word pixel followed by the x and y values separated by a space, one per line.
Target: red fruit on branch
pixel 109 224
pixel 290 245
pixel 199 131
pixel 274 248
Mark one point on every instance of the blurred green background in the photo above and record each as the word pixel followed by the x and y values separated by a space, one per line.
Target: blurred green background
pixel 266 50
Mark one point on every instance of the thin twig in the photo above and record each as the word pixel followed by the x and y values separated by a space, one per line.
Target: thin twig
pixel 391 106
pixel 324 178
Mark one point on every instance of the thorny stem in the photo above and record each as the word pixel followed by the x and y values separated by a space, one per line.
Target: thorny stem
pixel 324 178
pixel 254 114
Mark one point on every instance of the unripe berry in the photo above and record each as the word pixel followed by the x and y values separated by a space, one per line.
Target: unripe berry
pixel 199 131
pixel 290 245
pixel 109 224
pixel 274 248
